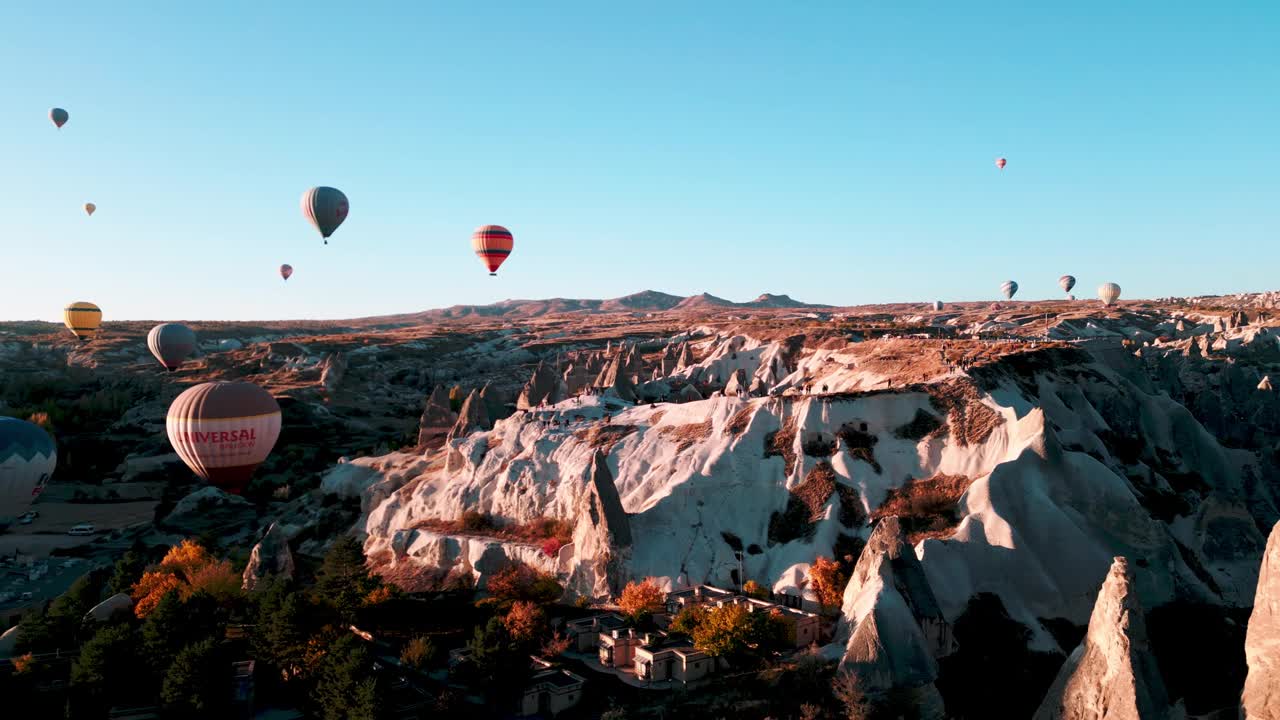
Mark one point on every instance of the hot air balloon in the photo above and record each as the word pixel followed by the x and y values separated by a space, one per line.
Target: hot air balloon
pixel 1071 297
pixel 82 319
pixel 59 117
pixel 326 208
pixel 27 458
pixel 937 305
pixel 492 244
pixel 286 270
pixel 1001 162
pixel 171 343
pixel 1009 288
pixel 1066 282
pixel 224 430
pixel 89 208
pixel 1109 293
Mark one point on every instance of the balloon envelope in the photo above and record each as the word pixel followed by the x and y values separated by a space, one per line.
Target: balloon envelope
pixel 1109 293
pixel 27 459
pixel 326 208
pixel 224 430
pixel 90 207
pixel 492 244
pixel 59 117
pixel 937 305
pixel 171 343
pixel 286 270
pixel 1066 282
pixel 83 319
pixel 1001 162
pixel 1009 289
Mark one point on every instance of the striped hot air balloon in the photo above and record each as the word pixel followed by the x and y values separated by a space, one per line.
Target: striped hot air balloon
pixel 1109 293
pixel 492 244
pixel 224 430
pixel 286 270
pixel 1009 289
pixel 89 208
pixel 1001 162
pixel 326 208
pixel 1066 282
pixel 59 117
pixel 171 343
pixel 83 319
pixel 27 459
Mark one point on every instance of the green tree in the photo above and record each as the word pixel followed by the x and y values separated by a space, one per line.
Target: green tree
pixel 58 626
pixel 163 633
pixel 345 689
pixel 343 581
pixel 503 666
pixel 128 570
pixel 197 684
pixel 106 671
pixel 281 635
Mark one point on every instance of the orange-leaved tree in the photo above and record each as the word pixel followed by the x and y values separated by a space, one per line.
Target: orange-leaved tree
pixel 642 598
pixel 828 581
pixel 187 568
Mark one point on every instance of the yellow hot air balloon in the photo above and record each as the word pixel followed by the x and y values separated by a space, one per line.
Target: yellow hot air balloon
pixel 82 319
pixel 90 207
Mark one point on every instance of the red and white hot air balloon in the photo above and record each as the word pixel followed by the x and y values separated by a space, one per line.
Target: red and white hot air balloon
pixel 1001 162
pixel 286 270
pixel 223 431
pixel 492 244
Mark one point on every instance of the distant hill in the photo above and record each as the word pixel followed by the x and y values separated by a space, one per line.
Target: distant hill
pixel 644 301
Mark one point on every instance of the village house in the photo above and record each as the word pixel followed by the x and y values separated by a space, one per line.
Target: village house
pixel 618 647
pixel 803 627
pixel 550 691
pixel 671 658
pixel 584 633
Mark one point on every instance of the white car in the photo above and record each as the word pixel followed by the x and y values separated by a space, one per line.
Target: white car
pixel 82 529
pixel 28 517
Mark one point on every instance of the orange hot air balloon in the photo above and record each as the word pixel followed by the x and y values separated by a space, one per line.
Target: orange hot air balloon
pixel 286 270
pixel 224 430
pixel 492 244
pixel 1001 162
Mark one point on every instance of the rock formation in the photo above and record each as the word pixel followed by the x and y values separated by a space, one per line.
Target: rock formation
pixel 602 537
pixel 473 416
pixel 333 367
pixel 103 611
pixel 437 419
pixel 688 393
pixel 1265 384
pixel 1112 675
pixel 737 384
pixel 544 386
pixel 1261 699
pixel 891 629
pixel 270 558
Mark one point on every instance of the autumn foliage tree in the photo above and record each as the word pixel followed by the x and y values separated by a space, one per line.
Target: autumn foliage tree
pixel 643 598
pixel 827 580
pixel 525 621
pixel 521 582
pixel 187 569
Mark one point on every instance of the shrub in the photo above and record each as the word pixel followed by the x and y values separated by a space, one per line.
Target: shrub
pixel 472 521
pixel 751 588
pixel 551 547
pixel 419 653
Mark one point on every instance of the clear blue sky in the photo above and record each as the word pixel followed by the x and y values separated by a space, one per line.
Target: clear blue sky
pixel 842 152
